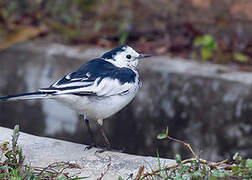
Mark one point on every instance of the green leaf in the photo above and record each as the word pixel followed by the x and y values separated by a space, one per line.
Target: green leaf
pixel 83 177
pixel 120 178
pixel 159 163
pixel 235 168
pixel 249 163
pixel 167 130
pixel 8 154
pixel 61 177
pixel 161 136
pixel 178 158
pixel 209 42
pixel 206 41
pixel 240 57
pixel 15 135
pixel 213 45
pixel 237 157
pixel 187 176
pixel 196 175
pixel 206 53
pixel 178 177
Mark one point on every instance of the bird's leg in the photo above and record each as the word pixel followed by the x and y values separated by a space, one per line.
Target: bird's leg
pixel 108 145
pixel 93 144
pixel 99 123
pixel 91 134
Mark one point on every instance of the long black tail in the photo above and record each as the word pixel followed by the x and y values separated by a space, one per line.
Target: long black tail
pixel 32 95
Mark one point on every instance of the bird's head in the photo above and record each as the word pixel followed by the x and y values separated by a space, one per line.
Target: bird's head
pixel 124 56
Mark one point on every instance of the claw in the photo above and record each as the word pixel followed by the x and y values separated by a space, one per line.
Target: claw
pixel 93 145
pixel 101 150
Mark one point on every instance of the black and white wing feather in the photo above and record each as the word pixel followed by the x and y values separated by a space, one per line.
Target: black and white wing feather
pixel 98 78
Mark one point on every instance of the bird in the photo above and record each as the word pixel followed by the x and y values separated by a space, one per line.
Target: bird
pixel 97 90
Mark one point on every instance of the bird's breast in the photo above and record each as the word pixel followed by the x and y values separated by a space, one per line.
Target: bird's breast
pixel 103 107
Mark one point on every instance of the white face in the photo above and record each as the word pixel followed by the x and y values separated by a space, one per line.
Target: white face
pixel 128 57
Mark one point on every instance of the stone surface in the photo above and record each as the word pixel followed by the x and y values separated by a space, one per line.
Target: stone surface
pixel 41 152
pixel 207 105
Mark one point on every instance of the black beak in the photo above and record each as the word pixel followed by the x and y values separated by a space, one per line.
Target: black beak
pixel 141 56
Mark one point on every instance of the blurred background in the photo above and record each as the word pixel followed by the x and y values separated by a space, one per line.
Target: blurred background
pixel 42 40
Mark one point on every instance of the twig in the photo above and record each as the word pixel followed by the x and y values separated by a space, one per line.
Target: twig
pixel 50 168
pixel 213 164
pixel 106 171
pixel 46 169
pixel 218 163
pixel 140 171
pixel 182 142
pixel 3 149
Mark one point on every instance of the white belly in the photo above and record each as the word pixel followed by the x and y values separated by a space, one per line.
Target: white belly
pixel 97 107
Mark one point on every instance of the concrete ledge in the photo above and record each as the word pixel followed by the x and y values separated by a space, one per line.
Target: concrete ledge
pixel 40 151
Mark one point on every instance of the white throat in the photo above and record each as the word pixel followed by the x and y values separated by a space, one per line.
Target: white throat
pixel 121 64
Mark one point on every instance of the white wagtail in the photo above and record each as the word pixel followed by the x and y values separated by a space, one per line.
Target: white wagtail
pixel 98 89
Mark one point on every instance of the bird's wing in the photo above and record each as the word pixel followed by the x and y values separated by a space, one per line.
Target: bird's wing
pixel 98 78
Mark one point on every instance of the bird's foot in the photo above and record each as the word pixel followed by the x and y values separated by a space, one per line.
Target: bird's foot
pixel 108 148
pixel 93 145
pixel 102 148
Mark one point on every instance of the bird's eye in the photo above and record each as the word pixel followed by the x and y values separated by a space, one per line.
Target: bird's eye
pixel 128 56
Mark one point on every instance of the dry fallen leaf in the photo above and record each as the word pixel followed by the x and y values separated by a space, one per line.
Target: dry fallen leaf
pixel 22 34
